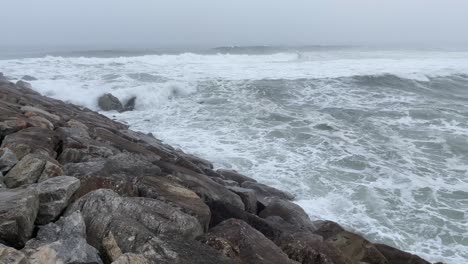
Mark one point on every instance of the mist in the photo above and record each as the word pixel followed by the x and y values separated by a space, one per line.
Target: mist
pixel 147 23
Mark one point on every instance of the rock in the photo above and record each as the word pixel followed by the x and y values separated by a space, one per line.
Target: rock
pixel 39 121
pixel 7 160
pixel 352 246
pixel 234 176
pixel 248 197
pixel 51 169
pixel 202 185
pixel 289 212
pixel 2 77
pixel 150 143
pixel 23 84
pixel 122 144
pixel 28 78
pixel 225 182
pixel 108 102
pixel 164 189
pixel 203 164
pixel 26 171
pixel 18 210
pixel 263 192
pixel 396 256
pixel 54 196
pixel 237 240
pixel 36 110
pixel 12 125
pixel 130 104
pixel 32 140
pixel 130 258
pixel 10 255
pixel 145 226
pixel 62 242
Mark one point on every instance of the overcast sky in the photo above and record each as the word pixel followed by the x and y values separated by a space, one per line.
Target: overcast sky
pixel 238 22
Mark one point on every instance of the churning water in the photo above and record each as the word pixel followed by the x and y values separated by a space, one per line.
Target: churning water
pixel 376 140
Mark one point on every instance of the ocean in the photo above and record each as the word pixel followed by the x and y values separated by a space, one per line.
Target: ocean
pixel 375 139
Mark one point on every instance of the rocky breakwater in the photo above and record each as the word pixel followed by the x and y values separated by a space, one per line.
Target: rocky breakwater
pixel 77 187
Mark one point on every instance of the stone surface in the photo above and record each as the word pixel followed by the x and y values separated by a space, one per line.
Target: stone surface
pixel 237 240
pixel 62 242
pixel 29 78
pixel 396 256
pixel 108 102
pixel 130 258
pixel 54 196
pixel 23 84
pixel 234 176
pixel 263 192
pixel 130 104
pixel 34 140
pixel 288 211
pixel 26 171
pixel 248 197
pixel 18 211
pixel 10 255
pixel 7 160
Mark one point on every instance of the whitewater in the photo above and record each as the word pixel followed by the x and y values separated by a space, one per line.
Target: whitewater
pixel 374 139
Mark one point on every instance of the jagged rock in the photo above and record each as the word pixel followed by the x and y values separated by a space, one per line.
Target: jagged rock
pixel 108 102
pixel 130 104
pixel 225 182
pixel 39 121
pixel 62 242
pixel 248 197
pixel 26 171
pixel 32 140
pixel 352 246
pixel 122 144
pixel 12 125
pixel 234 176
pixel 199 162
pixel 263 192
pixel 164 189
pixel 10 255
pixel 289 212
pixel 51 169
pixel 130 258
pixel 236 239
pixel 396 256
pixel 54 195
pixel 145 226
pixel 29 78
pixel 202 185
pixel 150 143
pixel 18 210
pixel 36 110
pixel 7 160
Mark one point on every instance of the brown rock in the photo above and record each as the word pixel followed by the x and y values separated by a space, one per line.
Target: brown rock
pixel 396 256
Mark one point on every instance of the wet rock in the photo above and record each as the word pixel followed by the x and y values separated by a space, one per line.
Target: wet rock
pixel 62 242
pixel 51 169
pixel 199 162
pixel 235 239
pixel 164 189
pixel 54 196
pixel 41 112
pixel 2 77
pixel 130 258
pixel 225 182
pixel 234 176
pixel 12 125
pixel 39 121
pixel 26 171
pixel 108 102
pixel 248 197
pixel 32 140
pixel 396 256
pixel 29 78
pixel 145 226
pixel 165 152
pixel 352 246
pixel 10 255
pixel 130 104
pixel 122 144
pixel 289 212
pixel 202 185
pixel 7 160
pixel 23 84
pixel 18 210
pixel 263 192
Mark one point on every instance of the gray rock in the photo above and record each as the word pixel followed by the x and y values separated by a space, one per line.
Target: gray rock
pixel 7 160
pixel 234 176
pixel 236 239
pixel 263 192
pixel 225 182
pixel 23 84
pixel 130 104
pixel 396 256
pixel 2 77
pixel 51 169
pixel 26 171
pixel 130 258
pixel 108 102
pixel 29 78
pixel 32 140
pixel 41 112
pixel 54 196
pixel 10 255
pixel 62 242
pixel 248 197
pixel 18 210
pixel 290 212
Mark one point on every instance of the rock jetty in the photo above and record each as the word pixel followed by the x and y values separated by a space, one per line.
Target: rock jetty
pixel 77 187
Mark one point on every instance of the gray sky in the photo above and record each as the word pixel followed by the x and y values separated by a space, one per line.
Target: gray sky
pixel 239 22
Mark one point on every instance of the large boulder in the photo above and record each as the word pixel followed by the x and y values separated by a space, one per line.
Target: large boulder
pixel 396 256
pixel 289 212
pixel 234 238
pixel 130 258
pixel 108 102
pixel 7 160
pixel 54 196
pixel 163 234
pixel 234 176
pixel 264 192
pixel 26 171
pixel 18 211
pixel 29 78
pixel 33 140
pixel 62 242
pixel 130 104
pixel 248 197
